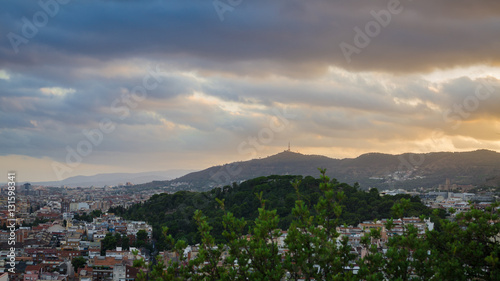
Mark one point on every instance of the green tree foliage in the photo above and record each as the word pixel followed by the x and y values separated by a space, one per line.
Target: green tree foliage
pixel 37 222
pixel 207 260
pixel 88 217
pixel 125 242
pixel 78 262
pixel 141 238
pixel 256 258
pixel 468 248
pixel 262 248
pixel 238 261
pixel 176 211
pixel 315 250
pixel 118 239
pixel 372 265
pixel 108 243
pixel 465 248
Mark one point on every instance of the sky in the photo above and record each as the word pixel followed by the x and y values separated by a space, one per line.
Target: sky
pixel 90 87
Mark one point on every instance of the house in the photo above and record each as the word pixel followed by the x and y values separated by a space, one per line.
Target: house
pixel 103 267
pixel 84 274
pixel 53 276
pixel 32 272
pixel 69 254
pixel 73 240
pixel 4 276
pixel 41 254
pixel 124 273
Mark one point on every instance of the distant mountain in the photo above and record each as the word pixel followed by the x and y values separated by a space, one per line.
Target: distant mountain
pixel 113 179
pixel 379 170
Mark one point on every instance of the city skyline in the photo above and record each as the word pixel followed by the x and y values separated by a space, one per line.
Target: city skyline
pixel 89 87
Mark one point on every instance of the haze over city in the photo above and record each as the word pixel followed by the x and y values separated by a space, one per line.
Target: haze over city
pixel 89 87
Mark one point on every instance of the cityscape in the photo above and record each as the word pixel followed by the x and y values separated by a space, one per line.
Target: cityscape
pixel 249 140
pixel 53 226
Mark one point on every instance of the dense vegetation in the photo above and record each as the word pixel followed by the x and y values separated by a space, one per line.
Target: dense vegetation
pixel 88 217
pixel 466 248
pixel 176 211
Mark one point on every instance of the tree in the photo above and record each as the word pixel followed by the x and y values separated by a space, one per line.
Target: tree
pixel 238 261
pixel 176 211
pixel 209 255
pixel 141 238
pixel 125 242
pixel 407 256
pixel 118 238
pixel 78 262
pixel 468 248
pixel 300 259
pixel 372 265
pixel 262 248
pixel 315 249
pixel 95 213
pixel 177 269
pixel 108 243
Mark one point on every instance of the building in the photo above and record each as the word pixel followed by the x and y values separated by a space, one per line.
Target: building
pixel 84 274
pixel 124 273
pixel 103 267
pixel 4 276
pixel 73 240
pixel 75 207
pixel 32 272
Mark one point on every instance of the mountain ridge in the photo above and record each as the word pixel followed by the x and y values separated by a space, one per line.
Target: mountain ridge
pixel 407 170
pixel 116 178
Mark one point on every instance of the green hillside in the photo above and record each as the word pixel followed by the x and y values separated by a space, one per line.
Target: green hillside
pixel 176 210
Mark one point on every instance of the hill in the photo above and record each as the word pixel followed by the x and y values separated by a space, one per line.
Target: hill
pixel 116 178
pixel 176 210
pixel 379 170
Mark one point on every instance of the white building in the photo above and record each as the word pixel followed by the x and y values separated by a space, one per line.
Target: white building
pixel 73 207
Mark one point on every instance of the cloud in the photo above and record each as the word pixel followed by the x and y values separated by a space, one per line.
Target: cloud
pixel 220 84
pixel 291 37
pixel 56 91
pixel 339 105
pixel 4 75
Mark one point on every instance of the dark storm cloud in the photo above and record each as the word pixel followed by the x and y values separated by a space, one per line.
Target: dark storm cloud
pixel 223 81
pixel 291 37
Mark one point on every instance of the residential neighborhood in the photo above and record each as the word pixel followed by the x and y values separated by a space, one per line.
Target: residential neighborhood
pixel 55 226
